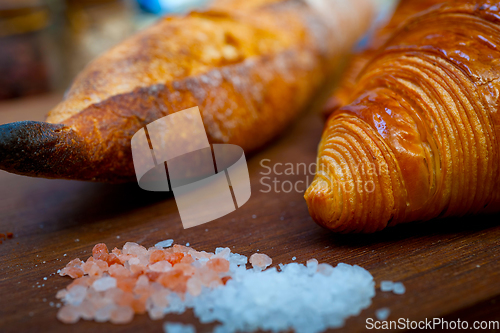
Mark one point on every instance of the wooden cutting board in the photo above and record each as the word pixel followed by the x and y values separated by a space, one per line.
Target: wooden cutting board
pixel 450 267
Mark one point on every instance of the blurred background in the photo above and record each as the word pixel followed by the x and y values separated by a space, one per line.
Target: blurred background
pixel 45 43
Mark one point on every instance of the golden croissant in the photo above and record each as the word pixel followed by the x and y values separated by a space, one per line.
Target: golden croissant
pixel 415 134
pixel 250 67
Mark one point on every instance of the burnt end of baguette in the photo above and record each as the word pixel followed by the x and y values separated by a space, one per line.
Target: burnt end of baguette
pixel 42 149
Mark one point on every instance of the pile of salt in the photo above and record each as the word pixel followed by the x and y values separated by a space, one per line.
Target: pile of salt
pixel 217 286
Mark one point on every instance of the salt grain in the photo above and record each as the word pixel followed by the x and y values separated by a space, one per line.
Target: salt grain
pixel 178 328
pixel 382 313
pixel 165 243
pixel 260 261
pixel 104 283
pixel 398 288
pixel 386 285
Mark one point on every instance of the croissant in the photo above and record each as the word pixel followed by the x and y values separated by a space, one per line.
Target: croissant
pixel 250 67
pixel 418 137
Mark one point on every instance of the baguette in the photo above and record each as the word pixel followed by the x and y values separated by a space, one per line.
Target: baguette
pixel 250 67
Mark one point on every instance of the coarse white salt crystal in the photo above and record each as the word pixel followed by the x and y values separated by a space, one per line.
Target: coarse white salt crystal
pixel 222 252
pixel 398 288
pixel 386 285
pixel 45 278
pixel 178 328
pixel 104 283
pixel 272 300
pixel 382 313
pixel 294 258
pixel 165 243
pixel 187 244
pixel 237 259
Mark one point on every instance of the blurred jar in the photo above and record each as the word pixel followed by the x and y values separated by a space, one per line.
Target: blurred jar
pixel 24 68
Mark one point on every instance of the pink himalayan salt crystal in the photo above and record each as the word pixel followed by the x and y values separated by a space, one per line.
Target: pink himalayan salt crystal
pixel 186 269
pixel 161 266
pixel 68 314
pixel 61 293
pixel 142 285
pixel 218 265
pixel 208 277
pixel 103 314
pixel 200 254
pixel 117 270
pixel 194 286
pixel 122 315
pixel 134 249
pixel 174 280
pixel 87 310
pixel 113 286
pixel 100 251
pixel 95 267
pixel 73 269
pixel 260 260
pixel 83 281
pixel 181 248
pixel 104 283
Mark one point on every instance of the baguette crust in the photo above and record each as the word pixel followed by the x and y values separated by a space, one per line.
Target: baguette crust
pixel 250 71
pixel 419 138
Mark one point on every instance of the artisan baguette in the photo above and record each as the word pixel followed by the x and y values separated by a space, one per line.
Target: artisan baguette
pixel 419 136
pixel 250 67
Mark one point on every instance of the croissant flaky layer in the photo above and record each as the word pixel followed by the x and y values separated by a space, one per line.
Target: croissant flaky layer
pixel 419 138
pixel 250 67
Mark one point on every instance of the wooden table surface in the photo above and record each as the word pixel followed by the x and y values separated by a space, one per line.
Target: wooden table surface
pixel 450 267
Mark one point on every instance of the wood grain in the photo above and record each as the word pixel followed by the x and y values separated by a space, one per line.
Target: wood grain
pixel 450 267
